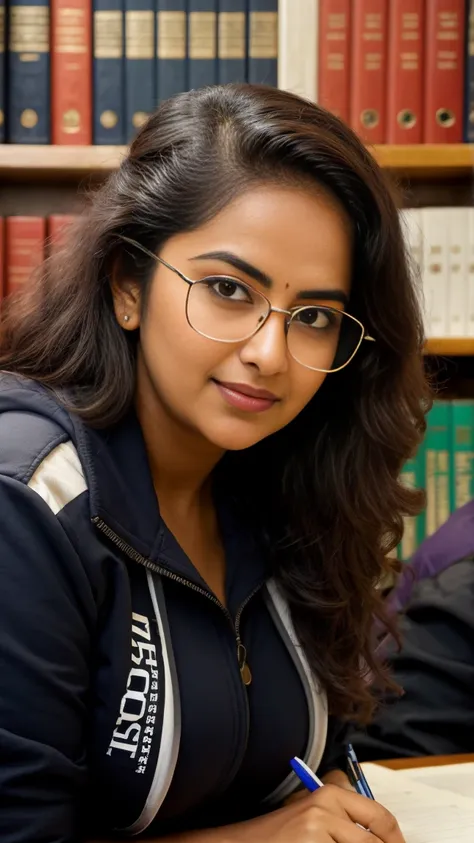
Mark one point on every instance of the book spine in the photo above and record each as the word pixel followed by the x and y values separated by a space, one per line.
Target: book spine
pixel 406 30
pixel 2 70
pixel 470 272
pixel 71 72
pixel 232 41
pixel 369 69
pixel 263 42
pixel 57 226
pixel 140 73
pixel 171 46
pixel 108 72
pixel 408 544
pixel 444 71
pixel 24 248
pixel 334 56
pixel 458 252
pixel 298 23
pixel 28 96
pixel 469 77
pixel 462 452
pixel 438 464
pixel 202 43
pixel 435 270
pixel 2 258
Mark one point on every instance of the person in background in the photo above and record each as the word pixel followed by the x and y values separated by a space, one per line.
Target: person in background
pixel 434 599
pixel 206 401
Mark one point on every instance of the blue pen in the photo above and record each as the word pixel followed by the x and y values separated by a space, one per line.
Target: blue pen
pixel 305 775
pixel 356 775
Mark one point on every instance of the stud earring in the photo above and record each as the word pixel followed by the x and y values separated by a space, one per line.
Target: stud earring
pixel 126 318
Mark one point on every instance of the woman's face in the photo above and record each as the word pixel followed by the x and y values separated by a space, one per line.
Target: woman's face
pixel 287 242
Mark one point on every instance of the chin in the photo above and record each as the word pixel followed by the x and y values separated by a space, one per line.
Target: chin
pixel 236 437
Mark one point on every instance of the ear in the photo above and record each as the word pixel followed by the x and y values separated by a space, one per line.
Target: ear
pixel 126 295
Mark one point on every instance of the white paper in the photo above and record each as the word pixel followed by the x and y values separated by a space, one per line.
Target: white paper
pixel 425 814
pixel 458 778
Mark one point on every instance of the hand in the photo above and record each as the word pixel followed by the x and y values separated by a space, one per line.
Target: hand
pixel 327 816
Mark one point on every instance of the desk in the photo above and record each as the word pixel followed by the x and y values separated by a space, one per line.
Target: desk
pixel 429 761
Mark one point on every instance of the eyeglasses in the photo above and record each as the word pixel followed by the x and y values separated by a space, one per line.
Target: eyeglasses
pixel 224 309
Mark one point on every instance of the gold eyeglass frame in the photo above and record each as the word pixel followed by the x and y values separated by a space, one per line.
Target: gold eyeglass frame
pixel 289 313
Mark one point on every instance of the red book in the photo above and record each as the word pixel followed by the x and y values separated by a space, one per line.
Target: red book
pixel 57 226
pixel 71 71
pixel 369 69
pixel 2 259
pixel 24 248
pixel 334 56
pixel 444 71
pixel 406 28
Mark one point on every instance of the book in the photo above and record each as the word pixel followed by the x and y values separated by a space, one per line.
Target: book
pixel 462 453
pixel 469 76
pixel 413 476
pixel 108 72
pixel 71 76
pixel 202 43
pixel 298 22
pixel 334 41
pixel 171 48
pixel 470 272
pixel 369 69
pixel 435 271
pixel 28 96
pixel 2 70
pixel 456 220
pixel 2 258
pixel 438 471
pixel 232 41
pixel 140 77
pixel 57 226
pixel 406 28
pixel 263 42
pixel 444 71
pixel 24 250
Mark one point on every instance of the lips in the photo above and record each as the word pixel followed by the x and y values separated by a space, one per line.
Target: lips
pixel 251 391
pixel 245 398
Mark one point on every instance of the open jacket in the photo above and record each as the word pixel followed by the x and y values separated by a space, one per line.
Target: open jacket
pixel 122 706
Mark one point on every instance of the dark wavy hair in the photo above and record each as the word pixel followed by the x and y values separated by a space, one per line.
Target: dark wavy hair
pixel 325 490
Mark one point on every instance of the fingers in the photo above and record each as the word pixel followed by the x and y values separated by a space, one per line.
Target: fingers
pixel 360 810
pixel 344 831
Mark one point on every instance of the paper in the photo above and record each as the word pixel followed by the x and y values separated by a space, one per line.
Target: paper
pixel 458 778
pixel 425 813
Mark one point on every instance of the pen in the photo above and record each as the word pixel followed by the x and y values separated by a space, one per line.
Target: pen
pixel 356 775
pixel 305 775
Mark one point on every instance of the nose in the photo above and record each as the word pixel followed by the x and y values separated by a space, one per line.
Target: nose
pixel 267 350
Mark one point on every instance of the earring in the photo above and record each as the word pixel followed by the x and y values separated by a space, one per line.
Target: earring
pixel 126 318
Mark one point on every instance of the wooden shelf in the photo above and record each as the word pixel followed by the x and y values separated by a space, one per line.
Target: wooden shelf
pixel 43 163
pixel 450 346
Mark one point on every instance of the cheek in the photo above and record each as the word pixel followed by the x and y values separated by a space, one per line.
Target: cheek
pixel 304 386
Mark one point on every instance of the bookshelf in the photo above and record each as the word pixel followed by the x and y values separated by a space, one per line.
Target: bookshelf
pixel 41 163
pixel 450 346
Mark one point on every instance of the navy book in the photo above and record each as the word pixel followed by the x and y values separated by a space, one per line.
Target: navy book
pixel 469 83
pixel 28 98
pixel 232 41
pixel 202 43
pixel 140 74
pixel 108 72
pixel 171 66
pixel 2 71
pixel 263 42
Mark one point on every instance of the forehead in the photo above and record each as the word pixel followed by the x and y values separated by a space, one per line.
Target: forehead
pixel 292 234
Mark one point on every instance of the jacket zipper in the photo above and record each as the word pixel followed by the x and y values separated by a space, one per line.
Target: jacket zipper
pixel 133 554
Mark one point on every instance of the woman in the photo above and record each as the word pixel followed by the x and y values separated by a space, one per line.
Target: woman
pixel 207 400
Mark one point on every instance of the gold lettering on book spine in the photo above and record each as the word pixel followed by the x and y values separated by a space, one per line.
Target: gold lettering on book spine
pixel 231 36
pixel 139 35
pixel 171 35
pixel 202 35
pixel 70 32
pixel 263 35
pixel 2 29
pixel 29 31
pixel 108 35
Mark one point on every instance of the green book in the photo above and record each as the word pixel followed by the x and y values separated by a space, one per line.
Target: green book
pixel 413 476
pixel 438 466
pixel 462 452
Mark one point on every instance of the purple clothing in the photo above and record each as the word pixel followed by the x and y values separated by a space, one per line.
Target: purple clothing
pixel 452 542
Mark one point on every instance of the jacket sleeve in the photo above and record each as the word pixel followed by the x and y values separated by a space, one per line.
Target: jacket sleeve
pixel 47 614
pixel 435 667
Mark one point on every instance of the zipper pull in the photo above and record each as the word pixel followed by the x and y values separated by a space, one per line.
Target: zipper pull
pixel 245 671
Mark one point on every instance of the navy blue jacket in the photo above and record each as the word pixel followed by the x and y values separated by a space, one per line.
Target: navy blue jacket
pixel 122 705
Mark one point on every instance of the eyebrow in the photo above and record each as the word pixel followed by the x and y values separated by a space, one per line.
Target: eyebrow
pixel 262 278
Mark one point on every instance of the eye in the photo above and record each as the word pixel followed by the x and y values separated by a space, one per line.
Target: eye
pixel 314 317
pixel 227 288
